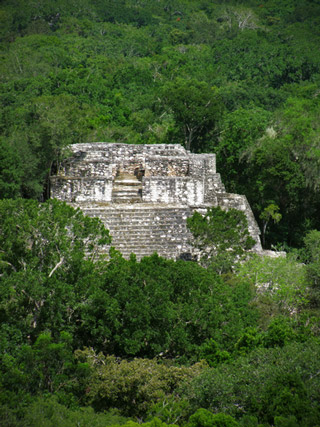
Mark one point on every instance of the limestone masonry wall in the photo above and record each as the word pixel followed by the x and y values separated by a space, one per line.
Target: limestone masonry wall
pixel 144 193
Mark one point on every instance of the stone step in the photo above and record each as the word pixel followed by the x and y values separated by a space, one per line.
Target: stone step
pixel 125 242
pixel 146 207
pixel 143 230
pixel 151 229
pixel 110 210
pixel 145 225
pixel 123 197
pixel 127 200
pixel 127 183
pixel 137 219
pixel 154 233
pixel 146 248
pixel 127 189
pixel 132 213
pixel 154 230
pixel 147 238
pixel 125 194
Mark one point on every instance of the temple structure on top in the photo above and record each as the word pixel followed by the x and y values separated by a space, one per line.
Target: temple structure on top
pixel 144 194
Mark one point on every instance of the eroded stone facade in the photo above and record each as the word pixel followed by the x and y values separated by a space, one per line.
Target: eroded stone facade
pixel 144 193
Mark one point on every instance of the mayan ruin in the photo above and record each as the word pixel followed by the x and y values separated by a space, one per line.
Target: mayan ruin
pixel 144 194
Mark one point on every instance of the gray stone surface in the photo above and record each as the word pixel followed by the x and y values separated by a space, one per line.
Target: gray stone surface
pixel 144 193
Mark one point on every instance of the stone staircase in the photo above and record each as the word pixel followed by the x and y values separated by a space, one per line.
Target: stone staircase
pixel 126 189
pixel 143 229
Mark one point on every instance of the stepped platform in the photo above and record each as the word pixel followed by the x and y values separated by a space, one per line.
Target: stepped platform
pixel 144 194
pixel 143 229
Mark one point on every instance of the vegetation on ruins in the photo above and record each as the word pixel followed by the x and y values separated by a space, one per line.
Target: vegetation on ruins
pixel 87 340
pixel 222 238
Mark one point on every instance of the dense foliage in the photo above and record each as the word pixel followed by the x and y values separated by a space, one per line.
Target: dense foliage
pixel 155 338
pixel 221 237
pixel 90 340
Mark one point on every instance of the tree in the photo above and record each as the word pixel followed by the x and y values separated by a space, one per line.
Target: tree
pixel 312 242
pixel 205 418
pixel 10 171
pixel 161 308
pixel 48 411
pixel 47 258
pixel 211 353
pixel 49 124
pixel 269 213
pixel 241 129
pixel 132 386
pixel 196 108
pixel 282 279
pixel 267 383
pixel 222 237
pixel 287 159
